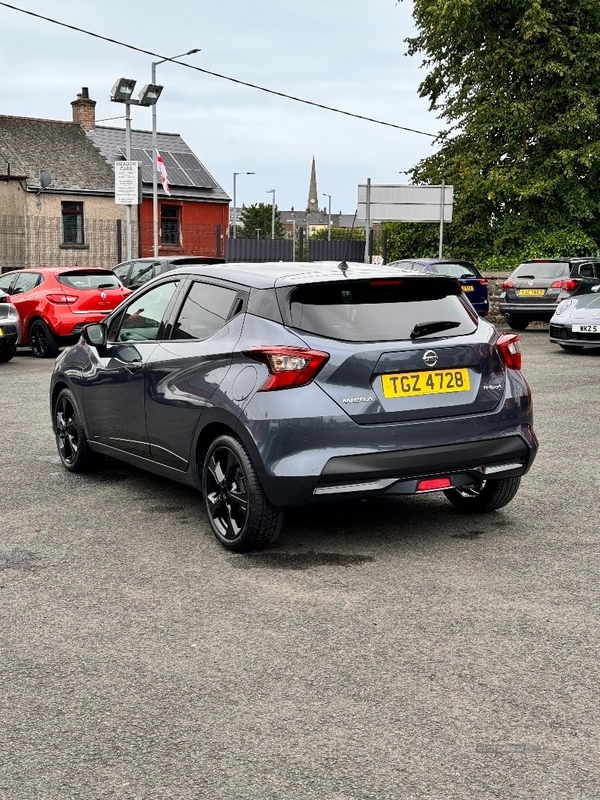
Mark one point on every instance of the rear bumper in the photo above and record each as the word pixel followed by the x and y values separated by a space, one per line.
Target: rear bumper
pixel 535 310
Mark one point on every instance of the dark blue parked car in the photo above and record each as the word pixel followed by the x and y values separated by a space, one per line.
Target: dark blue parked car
pixel 472 282
pixel 268 386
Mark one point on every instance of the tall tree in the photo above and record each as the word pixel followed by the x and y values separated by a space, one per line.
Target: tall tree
pixel 518 84
pixel 257 221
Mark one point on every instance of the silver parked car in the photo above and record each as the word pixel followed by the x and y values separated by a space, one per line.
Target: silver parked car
pixel 576 322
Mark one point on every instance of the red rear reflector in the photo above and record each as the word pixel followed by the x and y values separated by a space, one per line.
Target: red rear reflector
pixel 289 367
pixel 433 484
pixel 61 299
pixel 507 285
pixel 509 347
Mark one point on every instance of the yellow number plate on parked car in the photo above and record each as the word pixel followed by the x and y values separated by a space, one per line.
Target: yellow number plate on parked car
pixel 1 332
pixel 411 384
pixel 468 288
pixel 530 292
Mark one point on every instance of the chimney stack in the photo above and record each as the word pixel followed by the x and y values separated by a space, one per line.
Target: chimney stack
pixel 84 110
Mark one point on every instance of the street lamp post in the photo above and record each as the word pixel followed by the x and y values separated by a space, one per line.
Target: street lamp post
pixel 155 153
pixel 328 217
pixel 272 192
pixel 235 174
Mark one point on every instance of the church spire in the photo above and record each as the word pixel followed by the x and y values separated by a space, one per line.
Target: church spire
pixel 313 195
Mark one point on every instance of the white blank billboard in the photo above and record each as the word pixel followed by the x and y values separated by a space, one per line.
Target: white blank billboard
pixel 393 203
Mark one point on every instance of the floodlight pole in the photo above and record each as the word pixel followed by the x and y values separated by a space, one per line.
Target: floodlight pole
pixel 155 154
pixel 368 223
pixel 128 157
pixel 234 226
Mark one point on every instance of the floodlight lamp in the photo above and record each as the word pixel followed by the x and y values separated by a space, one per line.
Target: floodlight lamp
pixel 150 94
pixel 122 90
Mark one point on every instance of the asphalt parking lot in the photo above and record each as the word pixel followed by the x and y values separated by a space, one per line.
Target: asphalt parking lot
pixel 384 649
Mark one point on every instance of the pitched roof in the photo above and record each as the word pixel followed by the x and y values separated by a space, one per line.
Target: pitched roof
pixel 81 161
pixel 187 176
pixel 61 148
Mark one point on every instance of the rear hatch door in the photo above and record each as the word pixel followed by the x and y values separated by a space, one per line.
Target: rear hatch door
pixel 92 290
pixel 532 282
pixel 404 349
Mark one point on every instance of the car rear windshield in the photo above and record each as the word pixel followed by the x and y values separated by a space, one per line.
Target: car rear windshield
pixel 89 280
pixel 542 269
pixel 381 310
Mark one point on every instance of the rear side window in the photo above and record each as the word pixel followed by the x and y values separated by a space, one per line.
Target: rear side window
pixel 381 310
pixel 542 269
pixel 89 280
pixel 205 310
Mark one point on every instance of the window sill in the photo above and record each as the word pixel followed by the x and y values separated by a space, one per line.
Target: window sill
pixel 74 246
pixel 172 247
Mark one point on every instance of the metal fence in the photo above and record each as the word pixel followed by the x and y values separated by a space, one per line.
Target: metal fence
pixel 256 250
pixel 319 250
pixel 38 242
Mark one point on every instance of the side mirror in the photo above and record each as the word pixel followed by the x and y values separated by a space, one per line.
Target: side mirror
pixel 3 297
pixel 95 334
pixel 596 288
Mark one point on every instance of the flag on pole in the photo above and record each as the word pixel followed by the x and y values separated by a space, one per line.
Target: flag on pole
pixel 162 170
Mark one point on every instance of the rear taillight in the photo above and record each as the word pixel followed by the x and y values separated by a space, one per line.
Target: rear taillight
pixel 482 281
pixel 568 286
pixel 507 284
pixel 289 367
pixel 509 346
pixel 62 299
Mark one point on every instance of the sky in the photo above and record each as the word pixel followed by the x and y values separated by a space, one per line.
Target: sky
pixel 349 54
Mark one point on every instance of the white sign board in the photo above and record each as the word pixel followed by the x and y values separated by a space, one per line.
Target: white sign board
pixel 391 203
pixel 127 183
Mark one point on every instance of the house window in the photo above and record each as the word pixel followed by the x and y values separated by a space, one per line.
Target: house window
pixel 72 223
pixel 170 225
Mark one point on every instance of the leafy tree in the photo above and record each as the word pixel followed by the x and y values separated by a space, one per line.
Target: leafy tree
pixel 517 82
pixel 259 218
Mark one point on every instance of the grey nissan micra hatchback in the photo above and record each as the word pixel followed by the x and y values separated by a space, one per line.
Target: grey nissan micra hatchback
pixel 269 386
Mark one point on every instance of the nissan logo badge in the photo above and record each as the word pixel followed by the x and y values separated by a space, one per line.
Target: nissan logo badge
pixel 430 358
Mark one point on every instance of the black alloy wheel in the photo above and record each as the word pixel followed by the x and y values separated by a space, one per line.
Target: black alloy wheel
pixel 485 496
pixel 71 441
pixel 43 342
pixel 7 353
pixel 239 512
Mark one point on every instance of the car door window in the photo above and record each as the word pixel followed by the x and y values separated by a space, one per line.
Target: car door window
pixel 122 270
pixel 205 310
pixel 25 282
pixel 586 271
pixel 142 271
pixel 142 319
pixel 597 271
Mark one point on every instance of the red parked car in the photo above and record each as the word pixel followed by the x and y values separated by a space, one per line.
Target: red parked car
pixel 54 303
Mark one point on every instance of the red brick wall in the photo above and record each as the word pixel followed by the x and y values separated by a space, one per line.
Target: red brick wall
pixel 199 221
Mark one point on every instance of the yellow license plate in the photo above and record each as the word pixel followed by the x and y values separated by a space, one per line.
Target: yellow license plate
pixel 1 332
pixel 532 292
pixel 438 381
pixel 468 288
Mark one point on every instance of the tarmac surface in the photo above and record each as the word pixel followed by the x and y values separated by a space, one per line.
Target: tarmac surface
pixel 385 649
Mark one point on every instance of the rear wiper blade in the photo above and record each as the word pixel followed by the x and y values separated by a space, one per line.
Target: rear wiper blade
pixel 526 277
pixel 425 328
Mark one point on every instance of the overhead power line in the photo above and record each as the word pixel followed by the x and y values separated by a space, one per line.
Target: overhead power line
pixel 217 74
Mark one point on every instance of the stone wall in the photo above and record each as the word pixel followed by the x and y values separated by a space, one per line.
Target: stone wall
pixel 495 281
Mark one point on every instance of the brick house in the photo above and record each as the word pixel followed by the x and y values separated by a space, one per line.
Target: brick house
pixel 74 220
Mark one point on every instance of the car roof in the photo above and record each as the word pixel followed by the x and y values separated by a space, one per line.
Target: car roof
pixel 427 261
pixel 59 270
pixel 289 273
pixel 174 260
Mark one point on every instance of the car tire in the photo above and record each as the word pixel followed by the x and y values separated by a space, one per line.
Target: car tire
pixel 71 441
pixel 239 512
pixel 517 323
pixel 42 341
pixel 488 496
pixel 572 348
pixel 7 353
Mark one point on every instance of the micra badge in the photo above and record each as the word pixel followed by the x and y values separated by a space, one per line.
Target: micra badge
pixel 358 399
